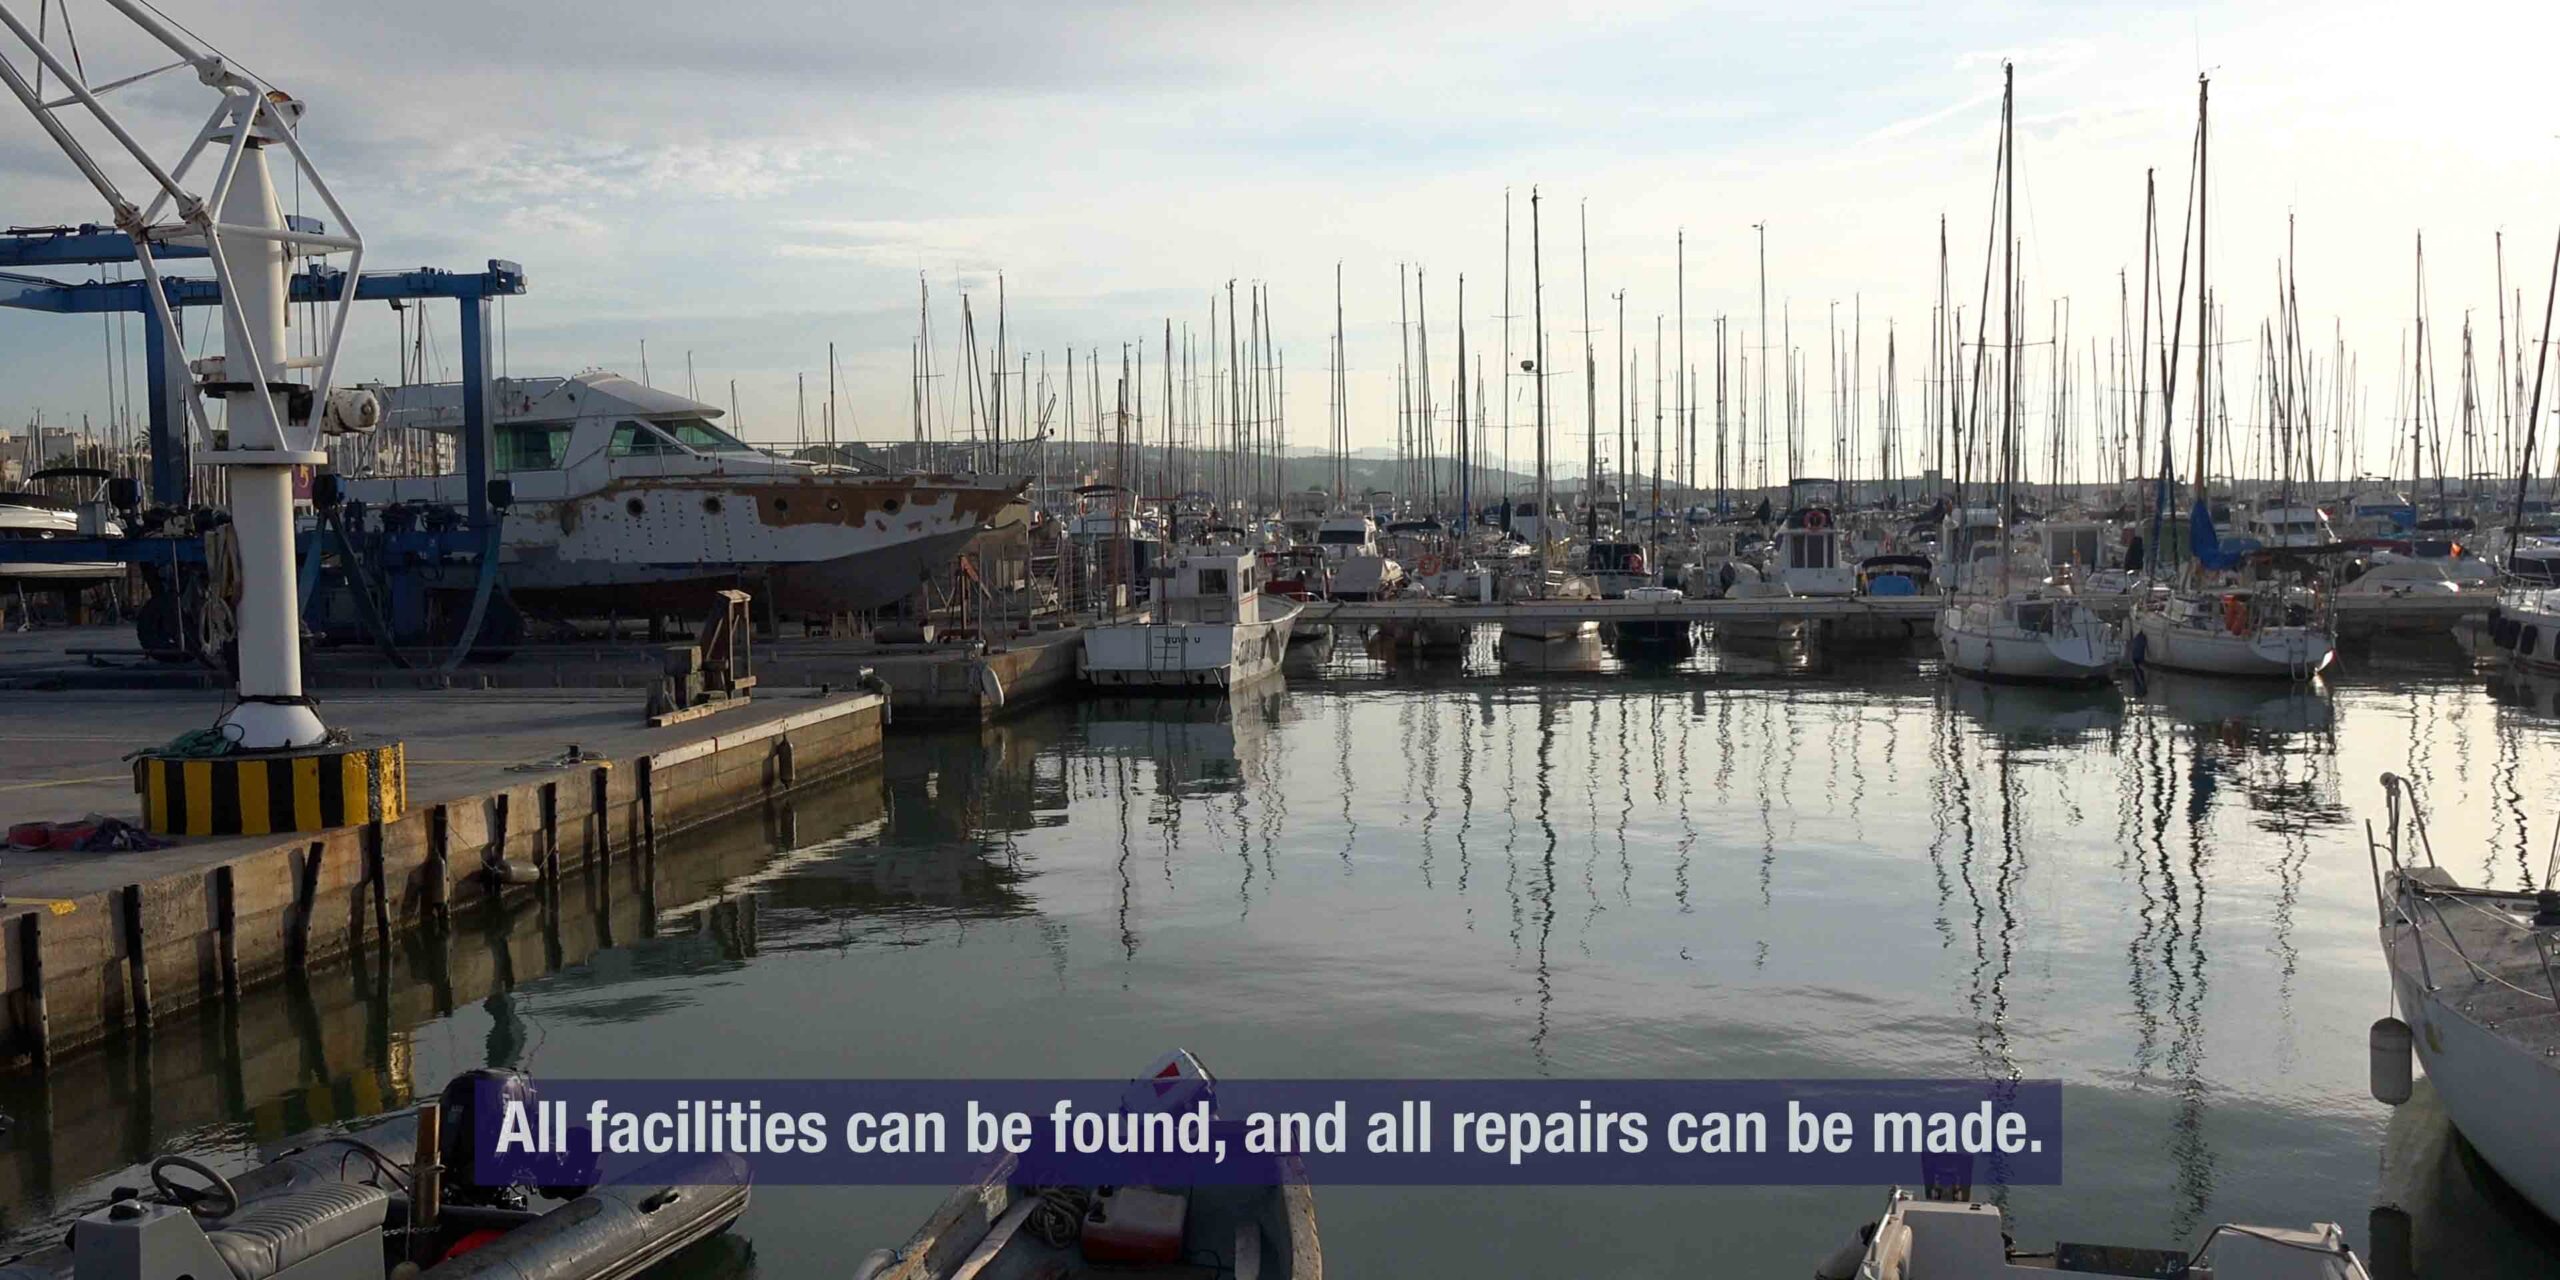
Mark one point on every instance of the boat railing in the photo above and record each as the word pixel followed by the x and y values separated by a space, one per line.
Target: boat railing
pixel 2404 813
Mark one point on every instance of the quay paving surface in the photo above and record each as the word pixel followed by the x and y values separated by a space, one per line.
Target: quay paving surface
pixel 62 757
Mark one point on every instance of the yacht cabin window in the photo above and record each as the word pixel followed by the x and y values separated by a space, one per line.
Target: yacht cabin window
pixel 641 440
pixel 1809 551
pixel 534 446
pixel 702 437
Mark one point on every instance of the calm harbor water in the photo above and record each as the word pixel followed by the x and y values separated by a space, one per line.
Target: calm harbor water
pixel 1529 861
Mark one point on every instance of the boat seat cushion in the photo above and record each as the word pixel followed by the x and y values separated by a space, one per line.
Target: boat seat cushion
pixel 272 1233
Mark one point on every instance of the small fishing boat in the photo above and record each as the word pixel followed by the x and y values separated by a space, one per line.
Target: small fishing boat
pixel 368 1201
pixel 1962 1240
pixel 999 1229
pixel 1213 626
pixel 1809 556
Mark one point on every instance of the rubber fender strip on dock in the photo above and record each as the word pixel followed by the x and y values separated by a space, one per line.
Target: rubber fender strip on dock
pixel 263 795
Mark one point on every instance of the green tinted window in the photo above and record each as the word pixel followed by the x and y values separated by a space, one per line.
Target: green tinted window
pixel 640 440
pixel 536 447
pixel 702 437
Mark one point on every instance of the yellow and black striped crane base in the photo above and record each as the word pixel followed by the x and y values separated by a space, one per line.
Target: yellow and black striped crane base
pixel 312 789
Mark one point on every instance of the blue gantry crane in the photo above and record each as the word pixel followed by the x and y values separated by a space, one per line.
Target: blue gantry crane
pixel 403 558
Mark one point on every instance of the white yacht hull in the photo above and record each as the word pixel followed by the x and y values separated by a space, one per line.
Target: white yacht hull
pixel 2269 653
pixel 1187 655
pixel 36 523
pixel 2525 631
pixel 821 545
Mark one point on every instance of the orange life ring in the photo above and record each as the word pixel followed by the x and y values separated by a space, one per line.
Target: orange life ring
pixel 2235 615
pixel 1817 518
pixel 1427 565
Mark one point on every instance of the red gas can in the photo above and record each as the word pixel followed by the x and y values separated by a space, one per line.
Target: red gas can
pixel 1135 1224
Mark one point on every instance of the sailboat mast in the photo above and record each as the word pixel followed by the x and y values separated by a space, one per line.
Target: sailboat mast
pixel 1590 396
pixel 1506 359
pixel 1679 342
pixel 1341 411
pixel 2008 311
pixel 1538 367
pixel 2204 327
pixel 1458 427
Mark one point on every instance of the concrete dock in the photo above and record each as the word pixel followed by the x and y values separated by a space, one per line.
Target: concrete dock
pixel 91 943
pixel 926 684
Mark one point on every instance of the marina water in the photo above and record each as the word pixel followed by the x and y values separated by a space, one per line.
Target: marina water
pixel 1525 862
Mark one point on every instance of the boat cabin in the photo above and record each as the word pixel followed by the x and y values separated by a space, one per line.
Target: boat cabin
pixel 1219 585
pixel 558 438
pixel 1347 534
pixel 2291 528
pixel 1613 557
pixel 2079 543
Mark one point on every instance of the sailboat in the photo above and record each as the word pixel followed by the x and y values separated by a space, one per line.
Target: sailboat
pixel 2231 624
pixel 1545 581
pixel 2473 975
pixel 2525 626
pixel 2040 633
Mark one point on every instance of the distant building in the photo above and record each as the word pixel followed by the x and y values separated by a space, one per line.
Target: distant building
pixel 35 447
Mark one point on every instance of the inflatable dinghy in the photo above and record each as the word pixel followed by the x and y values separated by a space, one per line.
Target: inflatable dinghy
pixel 361 1205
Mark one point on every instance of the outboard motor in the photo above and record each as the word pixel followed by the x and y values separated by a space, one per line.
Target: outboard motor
pixel 486 1091
pixel 467 1098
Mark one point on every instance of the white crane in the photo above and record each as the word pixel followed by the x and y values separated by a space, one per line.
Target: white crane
pixel 273 421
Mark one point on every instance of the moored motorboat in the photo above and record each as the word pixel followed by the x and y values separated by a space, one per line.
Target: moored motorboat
pixel 1214 626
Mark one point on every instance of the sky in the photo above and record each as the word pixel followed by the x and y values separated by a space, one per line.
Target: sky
pixel 747 182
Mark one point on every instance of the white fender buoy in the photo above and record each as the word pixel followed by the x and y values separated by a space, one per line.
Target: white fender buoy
pixel 2391 1058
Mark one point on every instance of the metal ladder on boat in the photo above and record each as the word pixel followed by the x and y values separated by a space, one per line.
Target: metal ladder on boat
pixel 1164 648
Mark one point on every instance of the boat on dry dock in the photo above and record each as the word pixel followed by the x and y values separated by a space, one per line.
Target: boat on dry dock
pixel 33 517
pixel 625 496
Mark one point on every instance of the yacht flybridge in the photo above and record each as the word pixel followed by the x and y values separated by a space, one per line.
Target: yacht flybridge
pixel 628 496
